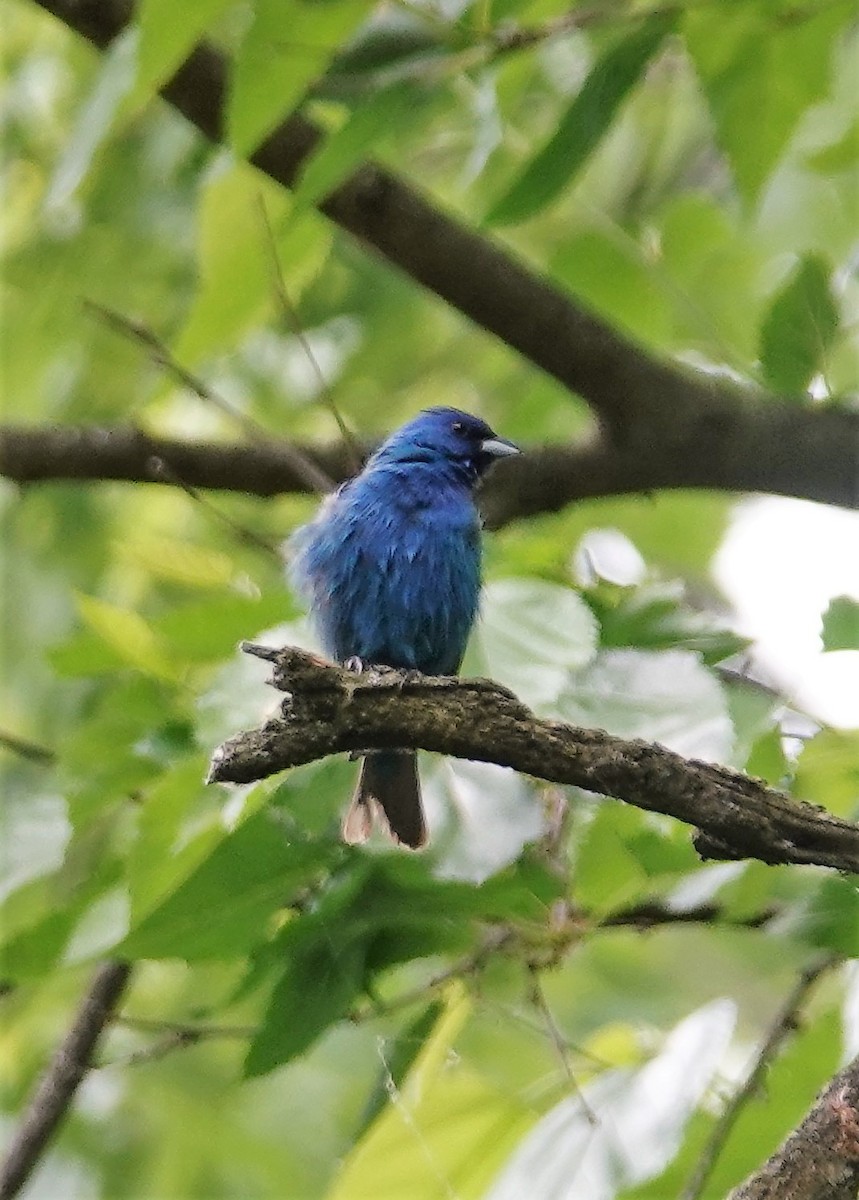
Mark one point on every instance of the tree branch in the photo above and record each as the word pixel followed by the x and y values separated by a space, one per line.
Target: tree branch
pixel 123 452
pixel 24 748
pixel 820 1159
pixel 545 479
pixel 330 711
pixel 57 1087
pixel 655 914
pixel 469 271
pixel 307 470
pixel 783 1026
pixel 649 408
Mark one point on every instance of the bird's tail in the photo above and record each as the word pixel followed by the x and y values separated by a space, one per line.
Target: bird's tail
pixel 388 781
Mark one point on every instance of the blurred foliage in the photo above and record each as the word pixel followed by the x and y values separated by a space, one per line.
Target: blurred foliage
pixel 367 1023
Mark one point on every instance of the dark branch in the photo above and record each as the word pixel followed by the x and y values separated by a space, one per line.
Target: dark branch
pixel 655 914
pixel 24 748
pixel 307 470
pixel 820 1159
pixel 330 711
pixel 545 479
pixel 123 452
pixel 57 1087
pixel 652 410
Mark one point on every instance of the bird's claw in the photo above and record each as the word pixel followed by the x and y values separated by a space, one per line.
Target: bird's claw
pixel 378 671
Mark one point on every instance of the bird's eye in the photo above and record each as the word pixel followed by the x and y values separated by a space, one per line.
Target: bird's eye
pixel 457 427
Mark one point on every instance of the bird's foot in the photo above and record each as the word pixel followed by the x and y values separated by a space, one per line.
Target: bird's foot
pixel 374 672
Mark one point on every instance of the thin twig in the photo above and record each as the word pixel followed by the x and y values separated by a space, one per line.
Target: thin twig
pixel 175 1036
pixel 136 331
pixel 186 1029
pixel 161 468
pixel 292 320
pixel 556 1037
pixel 783 1026
pixel 56 1089
pixel 471 963
pixel 509 37
pixel 27 749
pixel 539 1028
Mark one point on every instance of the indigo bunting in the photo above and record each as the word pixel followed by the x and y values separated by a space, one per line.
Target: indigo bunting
pixel 391 569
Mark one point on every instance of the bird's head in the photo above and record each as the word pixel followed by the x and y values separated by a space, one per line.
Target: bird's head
pixel 446 435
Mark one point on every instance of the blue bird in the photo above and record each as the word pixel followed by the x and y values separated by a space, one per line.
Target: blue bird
pixel 390 567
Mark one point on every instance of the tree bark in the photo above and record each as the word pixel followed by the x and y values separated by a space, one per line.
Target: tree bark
pixel 57 1087
pixel 820 1159
pixel 329 711
pixel 544 479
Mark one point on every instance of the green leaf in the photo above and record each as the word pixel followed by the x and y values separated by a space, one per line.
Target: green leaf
pixel 37 919
pixel 95 122
pixel 655 616
pixel 840 156
pixel 179 562
pixel 376 914
pixel 707 257
pixel 608 874
pixel 288 45
pixel 583 125
pixel 668 697
pixel 84 653
pixel 210 630
pixel 222 908
pixel 624 857
pixel 530 635
pixel 406 886
pixel 32 952
pixel 841 624
pixel 312 797
pixel 760 70
pixel 321 981
pixel 754 713
pixel 767 759
pixel 614 277
pixel 347 875
pixel 831 919
pixel 110 754
pixel 128 635
pixel 443 1111
pixel 399 1058
pixel 168 32
pixel 641 1118
pixel 395 42
pixel 236 271
pixel 808 1061
pixel 799 328
pixel 828 772
pixel 173 835
pixel 386 110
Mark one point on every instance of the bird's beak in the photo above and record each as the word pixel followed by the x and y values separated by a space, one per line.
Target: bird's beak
pixel 497 447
